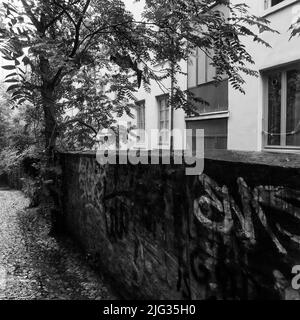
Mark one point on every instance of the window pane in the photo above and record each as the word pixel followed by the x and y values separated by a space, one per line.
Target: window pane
pixel 293 108
pixel 201 67
pixel 274 109
pixel 271 3
pixel 215 133
pixel 140 115
pixel 211 70
pixel 166 115
pixel 274 2
pixel 163 119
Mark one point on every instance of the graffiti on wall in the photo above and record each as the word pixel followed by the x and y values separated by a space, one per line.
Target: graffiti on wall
pixel 224 241
pixel 217 198
pixel 91 181
pixel 222 259
pixel 113 207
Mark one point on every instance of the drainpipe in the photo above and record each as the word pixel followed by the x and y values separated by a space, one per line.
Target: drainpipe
pixel 171 106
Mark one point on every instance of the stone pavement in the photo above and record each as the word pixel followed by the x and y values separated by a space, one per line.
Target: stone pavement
pixel 34 265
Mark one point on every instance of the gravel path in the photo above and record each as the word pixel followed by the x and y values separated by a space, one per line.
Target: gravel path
pixel 34 265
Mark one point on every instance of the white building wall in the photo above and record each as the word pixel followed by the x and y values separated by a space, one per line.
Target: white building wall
pixel 246 111
pixel 151 103
pixel 152 108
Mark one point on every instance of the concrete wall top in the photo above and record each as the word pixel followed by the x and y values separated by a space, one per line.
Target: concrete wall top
pixel 258 158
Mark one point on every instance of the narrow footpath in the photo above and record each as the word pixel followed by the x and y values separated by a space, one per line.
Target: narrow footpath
pixel 34 265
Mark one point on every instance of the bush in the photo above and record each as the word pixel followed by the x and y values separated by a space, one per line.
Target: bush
pixel 23 170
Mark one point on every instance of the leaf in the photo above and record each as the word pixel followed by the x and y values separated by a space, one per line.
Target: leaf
pixel 11 80
pixel 8 58
pixel 18 93
pixel 11 75
pixel 12 8
pixel 21 100
pixel 26 61
pixel 9 67
pixel 13 87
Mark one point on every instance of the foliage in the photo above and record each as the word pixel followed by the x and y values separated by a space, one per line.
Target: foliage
pixel 11 158
pixel 88 109
pixel 19 155
pixel 295 27
pixel 24 171
pixel 6 125
pixel 58 42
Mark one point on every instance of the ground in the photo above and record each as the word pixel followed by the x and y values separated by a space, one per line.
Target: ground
pixel 34 265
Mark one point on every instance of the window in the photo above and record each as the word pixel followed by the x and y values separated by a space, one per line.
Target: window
pixel 140 117
pixel 205 71
pixel 215 132
pixel 283 124
pixel 164 119
pixel 200 69
pixel 271 3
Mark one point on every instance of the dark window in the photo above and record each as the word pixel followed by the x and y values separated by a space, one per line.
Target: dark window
pixel 215 132
pixel 272 3
pixel 274 112
pixel 215 96
pixel 284 107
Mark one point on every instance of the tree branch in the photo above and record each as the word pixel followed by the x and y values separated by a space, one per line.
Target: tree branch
pixel 82 123
pixel 77 29
pixel 57 76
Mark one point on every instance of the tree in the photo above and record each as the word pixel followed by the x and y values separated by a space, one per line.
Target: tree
pixel 295 27
pixel 4 119
pixel 62 42
pixel 19 128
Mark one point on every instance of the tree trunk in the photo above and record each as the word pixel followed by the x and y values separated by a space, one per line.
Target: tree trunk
pixel 48 100
pixel 51 133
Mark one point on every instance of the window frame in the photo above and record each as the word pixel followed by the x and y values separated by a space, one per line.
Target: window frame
pixel 141 123
pixel 160 98
pixel 272 9
pixel 283 113
pixel 140 105
pixel 268 4
pixel 207 62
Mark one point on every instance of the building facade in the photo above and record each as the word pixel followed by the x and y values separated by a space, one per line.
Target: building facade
pixel 266 117
pixel 152 112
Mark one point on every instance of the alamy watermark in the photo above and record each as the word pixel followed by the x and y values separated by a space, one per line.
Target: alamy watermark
pixel 153 147
pixel 296 278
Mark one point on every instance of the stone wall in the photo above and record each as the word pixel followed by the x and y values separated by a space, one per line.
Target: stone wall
pixel 232 232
